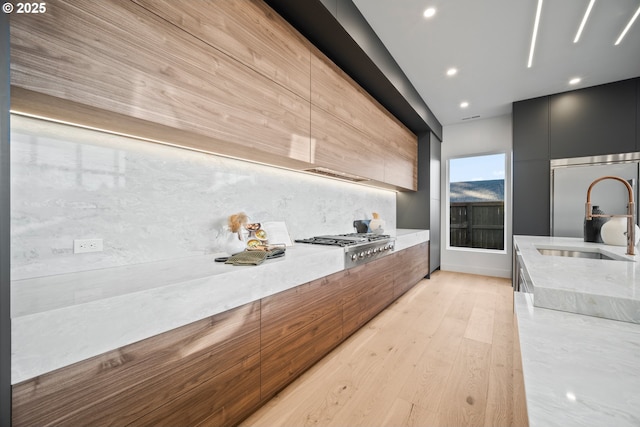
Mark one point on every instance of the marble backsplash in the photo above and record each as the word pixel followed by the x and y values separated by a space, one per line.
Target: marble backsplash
pixel 151 202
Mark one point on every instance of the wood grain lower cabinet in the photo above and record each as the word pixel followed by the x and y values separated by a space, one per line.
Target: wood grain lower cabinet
pixel 368 290
pixel 284 360
pixel 218 370
pixel 415 266
pixel 177 369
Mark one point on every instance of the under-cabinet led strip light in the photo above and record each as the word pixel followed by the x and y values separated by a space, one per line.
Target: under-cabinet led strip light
pixel 584 21
pixel 624 32
pixel 535 33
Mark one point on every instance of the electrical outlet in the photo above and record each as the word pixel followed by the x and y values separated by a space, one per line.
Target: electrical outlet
pixel 87 245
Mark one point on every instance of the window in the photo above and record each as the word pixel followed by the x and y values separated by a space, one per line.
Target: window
pixel 476 202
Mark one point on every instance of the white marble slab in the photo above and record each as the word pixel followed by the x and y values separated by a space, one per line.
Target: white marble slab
pixel 406 237
pixel 578 370
pixel 62 319
pixel 602 288
pixel 151 202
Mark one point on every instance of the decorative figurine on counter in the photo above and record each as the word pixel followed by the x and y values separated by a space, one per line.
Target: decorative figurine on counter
pixel 376 225
pixel 235 242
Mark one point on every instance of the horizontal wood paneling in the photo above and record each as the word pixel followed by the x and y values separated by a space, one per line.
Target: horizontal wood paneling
pixel 248 31
pixel 117 56
pixel 119 386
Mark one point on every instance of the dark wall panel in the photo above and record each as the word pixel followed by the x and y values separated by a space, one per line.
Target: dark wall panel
pixel 5 236
pixel 531 200
pixel 637 114
pixel 412 207
pixel 598 120
pixel 593 121
pixel 531 129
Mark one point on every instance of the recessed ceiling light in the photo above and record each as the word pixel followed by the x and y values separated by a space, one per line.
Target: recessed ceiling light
pixel 624 32
pixel 535 33
pixel 429 12
pixel 574 81
pixel 452 71
pixel 464 104
pixel 584 21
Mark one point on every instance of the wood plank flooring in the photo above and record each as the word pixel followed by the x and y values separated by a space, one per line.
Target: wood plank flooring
pixel 441 355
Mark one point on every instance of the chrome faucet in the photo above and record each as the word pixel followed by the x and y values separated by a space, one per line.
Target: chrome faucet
pixel 631 229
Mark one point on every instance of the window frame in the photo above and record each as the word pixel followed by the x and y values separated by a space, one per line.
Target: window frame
pixel 447 212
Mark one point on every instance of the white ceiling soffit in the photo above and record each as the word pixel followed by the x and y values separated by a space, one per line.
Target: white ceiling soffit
pixel 489 41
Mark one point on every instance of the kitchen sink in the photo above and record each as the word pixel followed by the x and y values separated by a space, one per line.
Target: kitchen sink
pixel 574 253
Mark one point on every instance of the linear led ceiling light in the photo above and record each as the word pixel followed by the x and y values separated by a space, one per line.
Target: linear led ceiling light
pixel 584 21
pixel 535 33
pixel 624 32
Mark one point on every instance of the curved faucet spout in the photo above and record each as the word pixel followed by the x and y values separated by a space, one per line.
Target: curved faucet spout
pixel 631 229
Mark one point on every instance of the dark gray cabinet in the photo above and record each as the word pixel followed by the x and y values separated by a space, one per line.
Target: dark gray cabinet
pixel 531 201
pixel 593 121
pixel 531 129
pixel 598 120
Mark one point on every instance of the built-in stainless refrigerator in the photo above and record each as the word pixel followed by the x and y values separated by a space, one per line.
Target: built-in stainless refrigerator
pixel 570 180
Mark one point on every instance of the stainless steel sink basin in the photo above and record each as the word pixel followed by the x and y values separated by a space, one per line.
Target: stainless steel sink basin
pixel 578 254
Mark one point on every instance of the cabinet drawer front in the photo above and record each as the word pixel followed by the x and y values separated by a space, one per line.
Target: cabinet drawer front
pixel 286 312
pixel 286 359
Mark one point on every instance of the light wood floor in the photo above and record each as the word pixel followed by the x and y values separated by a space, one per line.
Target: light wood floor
pixel 442 355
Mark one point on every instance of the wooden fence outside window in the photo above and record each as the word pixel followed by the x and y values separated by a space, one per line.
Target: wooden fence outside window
pixel 477 225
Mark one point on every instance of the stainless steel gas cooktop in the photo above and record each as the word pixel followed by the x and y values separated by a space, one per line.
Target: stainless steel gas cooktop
pixel 359 248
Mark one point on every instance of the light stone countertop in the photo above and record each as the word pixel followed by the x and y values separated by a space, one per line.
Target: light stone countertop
pixel 59 320
pixel 578 370
pixel 601 288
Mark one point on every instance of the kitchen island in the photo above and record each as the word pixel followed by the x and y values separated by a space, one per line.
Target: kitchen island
pixel 579 370
pixel 63 319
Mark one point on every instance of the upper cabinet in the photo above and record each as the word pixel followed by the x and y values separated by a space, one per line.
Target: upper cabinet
pixel 118 57
pixel 248 31
pixel 593 121
pixel 225 77
pixel 388 147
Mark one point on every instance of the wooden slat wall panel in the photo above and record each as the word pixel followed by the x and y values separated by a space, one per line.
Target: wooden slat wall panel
pixel 221 401
pixel 117 56
pixel 288 311
pixel 119 386
pixel 286 359
pixel 269 45
pixel 413 266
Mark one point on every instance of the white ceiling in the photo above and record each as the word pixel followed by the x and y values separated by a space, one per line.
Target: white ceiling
pixel 488 41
